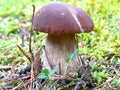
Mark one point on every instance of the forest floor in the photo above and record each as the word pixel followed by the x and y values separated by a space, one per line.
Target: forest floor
pixel 99 49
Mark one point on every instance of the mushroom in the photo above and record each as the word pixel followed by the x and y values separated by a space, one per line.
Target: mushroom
pixel 22 35
pixel 61 22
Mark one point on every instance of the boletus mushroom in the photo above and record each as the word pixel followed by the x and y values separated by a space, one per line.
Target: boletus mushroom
pixel 61 22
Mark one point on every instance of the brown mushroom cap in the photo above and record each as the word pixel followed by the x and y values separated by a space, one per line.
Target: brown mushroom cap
pixel 59 19
pixel 84 19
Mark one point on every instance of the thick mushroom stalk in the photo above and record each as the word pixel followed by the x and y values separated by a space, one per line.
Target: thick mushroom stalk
pixel 61 22
pixel 57 49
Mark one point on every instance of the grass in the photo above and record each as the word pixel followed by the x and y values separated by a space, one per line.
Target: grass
pixel 103 44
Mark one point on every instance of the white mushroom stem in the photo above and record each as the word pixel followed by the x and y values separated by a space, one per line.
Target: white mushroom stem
pixel 57 50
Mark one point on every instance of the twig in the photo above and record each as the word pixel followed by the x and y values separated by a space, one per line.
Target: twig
pixel 53 84
pixel 83 75
pixel 62 77
pixel 47 59
pixel 41 85
pixel 30 39
pixel 22 85
pixel 59 68
pixel 6 87
pixel 10 79
pixel 22 82
pixel 30 50
pixel 27 56
pixel 66 86
pixel 19 87
pixel 107 81
pixel 6 68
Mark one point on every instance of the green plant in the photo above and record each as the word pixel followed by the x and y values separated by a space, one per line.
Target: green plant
pixel 47 74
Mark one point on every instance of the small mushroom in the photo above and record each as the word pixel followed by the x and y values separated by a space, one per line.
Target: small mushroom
pixel 61 22
pixel 22 34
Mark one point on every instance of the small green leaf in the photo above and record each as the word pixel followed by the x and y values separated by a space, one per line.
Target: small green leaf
pixel 70 58
pixel 53 71
pixel 42 76
pixel 45 71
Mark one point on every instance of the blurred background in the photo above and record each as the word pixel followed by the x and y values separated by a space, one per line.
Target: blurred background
pixel 102 44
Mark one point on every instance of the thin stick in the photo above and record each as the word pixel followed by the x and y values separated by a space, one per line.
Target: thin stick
pixel 6 68
pixel 59 68
pixel 107 81
pixel 47 58
pixel 30 50
pixel 80 81
pixel 21 86
pixel 27 56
